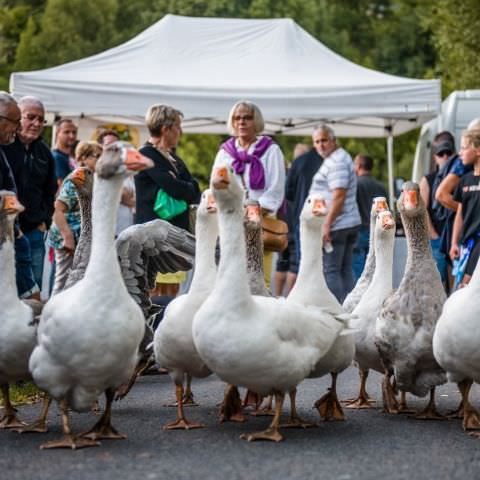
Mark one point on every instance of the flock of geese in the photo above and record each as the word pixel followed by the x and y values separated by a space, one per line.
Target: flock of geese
pixel 97 334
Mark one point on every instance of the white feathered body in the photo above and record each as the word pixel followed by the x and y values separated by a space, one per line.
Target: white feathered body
pixel 456 338
pixel 89 334
pixel 18 335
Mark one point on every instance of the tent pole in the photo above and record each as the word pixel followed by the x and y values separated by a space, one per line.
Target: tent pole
pixel 391 196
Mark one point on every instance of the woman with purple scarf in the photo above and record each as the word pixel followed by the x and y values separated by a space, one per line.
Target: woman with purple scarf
pixel 257 161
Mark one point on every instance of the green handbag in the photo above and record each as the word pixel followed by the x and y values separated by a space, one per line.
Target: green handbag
pixel 167 207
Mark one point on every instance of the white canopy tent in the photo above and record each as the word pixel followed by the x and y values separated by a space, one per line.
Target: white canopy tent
pixel 202 66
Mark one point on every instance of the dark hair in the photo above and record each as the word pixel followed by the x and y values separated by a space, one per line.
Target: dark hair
pixel 105 133
pixel 444 136
pixel 365 162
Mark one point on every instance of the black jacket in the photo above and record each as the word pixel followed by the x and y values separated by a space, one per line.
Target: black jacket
pixel 6 177
pixel 34 174
pixel 148 182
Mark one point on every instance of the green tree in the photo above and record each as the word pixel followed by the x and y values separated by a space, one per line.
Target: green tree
pixel 68 30
pixel 453 27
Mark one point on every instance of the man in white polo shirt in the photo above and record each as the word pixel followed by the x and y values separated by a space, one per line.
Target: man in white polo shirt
pixel 336 181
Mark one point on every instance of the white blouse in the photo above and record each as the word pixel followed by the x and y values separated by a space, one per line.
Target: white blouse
pixel 271 197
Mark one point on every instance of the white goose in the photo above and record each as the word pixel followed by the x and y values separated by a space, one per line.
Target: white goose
pixel 262 343
pixel 89 334
pixel 455 344
pixel 408 317
pixel 366 312
pixel 18 334
pixel 311 289
pixel 173 341
pixel 379 204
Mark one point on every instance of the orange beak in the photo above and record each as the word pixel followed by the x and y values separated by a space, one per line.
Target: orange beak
pixel 11 204
pixel 135 161
pixel 319 207
pixel 220 178
pixel 78 176
pixel 380 204
pixel 253 213
pixel 387 221
pixel 211 204
pixel 410 199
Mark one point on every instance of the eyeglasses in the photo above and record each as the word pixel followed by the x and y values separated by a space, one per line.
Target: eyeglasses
pixel 245 118
pixel 31 117
pixel 442 154
pixel 15 122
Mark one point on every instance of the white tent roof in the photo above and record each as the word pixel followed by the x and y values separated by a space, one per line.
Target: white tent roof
pixel 202 66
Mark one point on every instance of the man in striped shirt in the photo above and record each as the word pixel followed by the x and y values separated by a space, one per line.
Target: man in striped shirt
pixel 336 181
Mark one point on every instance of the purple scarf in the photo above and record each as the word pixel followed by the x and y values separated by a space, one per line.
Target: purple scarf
pixel 241 158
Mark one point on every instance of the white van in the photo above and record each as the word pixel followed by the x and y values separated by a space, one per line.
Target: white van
pixel 458 110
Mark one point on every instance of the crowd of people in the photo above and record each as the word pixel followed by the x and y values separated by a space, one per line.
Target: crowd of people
pixel 51 220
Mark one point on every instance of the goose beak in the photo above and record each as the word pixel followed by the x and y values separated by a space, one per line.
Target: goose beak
pixel 135 161
pixel 11 205
pixel 387 221
pixel 220 178
pixel 78 176
pixel 380 204
pixel 319 207
pixel 253 213
pixel 410 199
pixel 211 204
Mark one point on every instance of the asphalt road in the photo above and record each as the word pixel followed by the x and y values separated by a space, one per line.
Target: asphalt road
pixel 368 445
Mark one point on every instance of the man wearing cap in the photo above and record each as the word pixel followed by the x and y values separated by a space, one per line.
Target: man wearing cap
pixel 444 184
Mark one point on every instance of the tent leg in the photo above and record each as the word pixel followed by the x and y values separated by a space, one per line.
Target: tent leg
pixel 391 195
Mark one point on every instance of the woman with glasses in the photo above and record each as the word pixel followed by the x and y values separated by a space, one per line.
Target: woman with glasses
pixel 65 230
pixel 257 162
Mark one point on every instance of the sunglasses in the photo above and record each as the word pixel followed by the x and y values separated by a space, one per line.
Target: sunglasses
pixel 32 117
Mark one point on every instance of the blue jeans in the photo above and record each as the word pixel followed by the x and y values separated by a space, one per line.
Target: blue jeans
pixel 337 265
pixel 26 285
pixel 36 238
pixel 360 252
pixel 440 258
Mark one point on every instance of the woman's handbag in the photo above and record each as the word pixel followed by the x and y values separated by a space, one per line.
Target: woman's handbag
pixel 275 234
pixel 167 207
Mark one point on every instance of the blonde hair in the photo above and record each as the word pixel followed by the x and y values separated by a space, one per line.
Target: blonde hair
pixel 254 110
pixel 473 136
pixel 86 149
pixel 159 116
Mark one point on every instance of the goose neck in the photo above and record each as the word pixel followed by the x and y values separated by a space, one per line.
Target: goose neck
pixel 106 197
pixel 206 233
pixel 8 285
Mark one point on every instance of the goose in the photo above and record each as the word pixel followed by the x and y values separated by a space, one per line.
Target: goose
pixel 142 251
pixel 18 333
pixel 311 289
pixel 365 313
pixel 261 343
pixel 455 344
pixel 88 344
pixel 379 204
pixel 406 323
pixel 173 343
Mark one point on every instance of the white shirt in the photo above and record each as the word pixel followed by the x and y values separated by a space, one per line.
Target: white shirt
pixel 271 197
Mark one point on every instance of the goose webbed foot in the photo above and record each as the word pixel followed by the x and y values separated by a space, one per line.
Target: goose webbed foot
pixel 430 412
pixel 181 423
pixel 231 408
pixel 103 429
pixel 10 421
pixel 329 407
pixel 272 433
pixel 70 441
pixel 39 426
pixel 363 400
pixel 471 419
